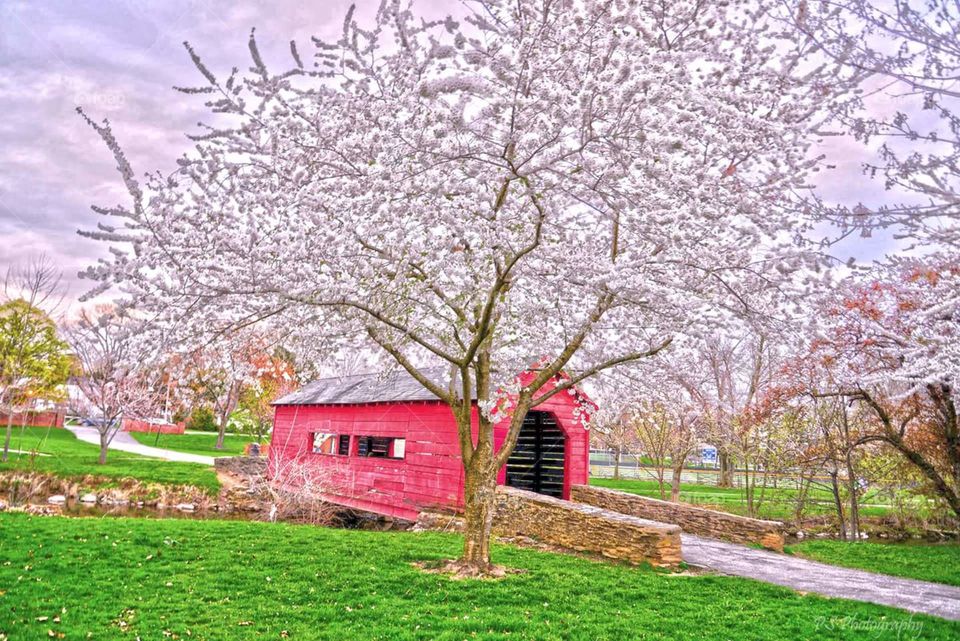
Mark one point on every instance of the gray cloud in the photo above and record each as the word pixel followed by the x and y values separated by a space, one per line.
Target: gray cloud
pixel 117 60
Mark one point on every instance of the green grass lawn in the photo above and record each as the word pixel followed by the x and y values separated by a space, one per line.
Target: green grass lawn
pixel 113 578
pixel 195 443
pixel 928 562
pixel 775 505
pixel 69 457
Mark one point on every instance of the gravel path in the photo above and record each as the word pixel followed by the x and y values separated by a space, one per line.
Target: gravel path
pixel 830 580
pixel 123 442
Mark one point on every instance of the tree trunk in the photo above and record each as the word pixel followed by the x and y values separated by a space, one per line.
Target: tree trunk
pixel 837 503
pixel 232 399
pixel 662 479
pixel 803 497
pixel 479 495
pixel 675 482
pixel 222 430
pixel 949 421
pixel 854 499
pixel 949 492
pixel 104 443
pixel 940 485
pixel 616 463
pixel 6 440
pixel 726 471
pixel 764 482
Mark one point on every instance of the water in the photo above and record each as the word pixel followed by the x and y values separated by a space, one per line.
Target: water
pixel 343 518
pixel 74 507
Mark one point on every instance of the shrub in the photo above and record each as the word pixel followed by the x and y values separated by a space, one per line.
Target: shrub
pixel 202 420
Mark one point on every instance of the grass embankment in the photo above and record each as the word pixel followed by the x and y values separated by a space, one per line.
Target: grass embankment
pixel 939 562
pixel 61 454
pixel 204 444
pixel 129 578
pixel 777 503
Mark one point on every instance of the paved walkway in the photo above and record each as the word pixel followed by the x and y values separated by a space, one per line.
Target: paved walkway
pixel 830 580
pixel 123 442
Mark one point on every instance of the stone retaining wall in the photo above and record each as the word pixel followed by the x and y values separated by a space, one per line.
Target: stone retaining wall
pixel 586 528
pixel 248 466
pixel 695 520
pixel 438 522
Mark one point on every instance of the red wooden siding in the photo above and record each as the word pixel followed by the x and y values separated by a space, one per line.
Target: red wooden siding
pixel 430 476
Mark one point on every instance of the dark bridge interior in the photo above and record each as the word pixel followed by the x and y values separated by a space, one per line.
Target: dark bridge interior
pixel 536 463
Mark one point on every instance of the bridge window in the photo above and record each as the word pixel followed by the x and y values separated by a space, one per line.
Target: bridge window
pixel 381 447
pixel 323 443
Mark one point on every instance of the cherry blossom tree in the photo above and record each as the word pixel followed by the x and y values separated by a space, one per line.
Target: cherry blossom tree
pixel 881 346
pixel 911 53
pixel 737 370
pixel 612 430
pixel 667 430
pixel 565 184
pixel 275 376
pixel 219 372
pixel 116 375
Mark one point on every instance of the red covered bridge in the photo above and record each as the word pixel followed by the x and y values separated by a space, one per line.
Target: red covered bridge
pixel 386 444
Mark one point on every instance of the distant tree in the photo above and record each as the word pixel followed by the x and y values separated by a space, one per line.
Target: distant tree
pixel 771 438
pixel 881 343
pixel 219 372
pixel 660 408
pixel 652 425
pixel 667 432
pixel 116 374
pixel 613 432
pixel 831 431
pixel 911 51
pixel 609 425
pixel 34 361
pixel 841 426
pixel 274 377
pixel 737 369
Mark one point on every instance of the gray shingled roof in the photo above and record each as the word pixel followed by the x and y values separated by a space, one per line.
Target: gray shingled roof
pixel 367 388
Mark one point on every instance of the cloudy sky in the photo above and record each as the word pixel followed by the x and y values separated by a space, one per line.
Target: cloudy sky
pixel 119 59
